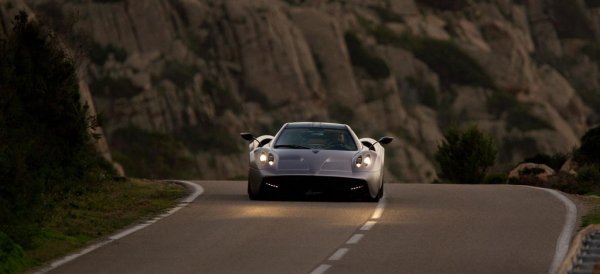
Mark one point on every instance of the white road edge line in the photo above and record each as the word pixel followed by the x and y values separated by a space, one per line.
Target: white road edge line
pixel 197 190
pixel 564 239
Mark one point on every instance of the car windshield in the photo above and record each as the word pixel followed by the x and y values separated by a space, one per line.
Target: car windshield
pixel 316 138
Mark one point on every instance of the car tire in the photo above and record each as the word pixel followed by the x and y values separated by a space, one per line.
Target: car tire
pixel 378 196
pixel 252 195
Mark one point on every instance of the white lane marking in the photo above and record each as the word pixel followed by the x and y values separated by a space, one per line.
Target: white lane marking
pixel 321 269
pixel 339 254
pixel 379 210
pixel 354 239
pixel 197 190
pixel 368 225
pixel 564 239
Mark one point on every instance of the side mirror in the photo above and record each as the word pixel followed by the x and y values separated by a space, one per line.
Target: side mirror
pixel 247 136
pixel 385 140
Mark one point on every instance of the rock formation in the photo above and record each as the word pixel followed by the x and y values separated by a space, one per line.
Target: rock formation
pixel 187 75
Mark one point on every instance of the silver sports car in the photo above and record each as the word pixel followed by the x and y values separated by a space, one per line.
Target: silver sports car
pixel 315 158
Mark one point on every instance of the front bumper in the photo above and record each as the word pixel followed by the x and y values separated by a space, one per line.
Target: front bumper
pixel 331 183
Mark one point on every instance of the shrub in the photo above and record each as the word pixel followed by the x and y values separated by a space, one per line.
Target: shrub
pixel 496 179
pixel 590 145
pixel 464 156
pixel 362 58
pixel 452 65
pixel 589 174
pixel 555 161
pixel 99 54
pixel 12 257
pixel 151 154
pixel 445 58
pixel 45 148
pixel 181 75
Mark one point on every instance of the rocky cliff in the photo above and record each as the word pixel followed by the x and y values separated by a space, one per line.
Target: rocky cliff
pixel 176 81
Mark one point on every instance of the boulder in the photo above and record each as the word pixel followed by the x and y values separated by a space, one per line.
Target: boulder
pixel 539 171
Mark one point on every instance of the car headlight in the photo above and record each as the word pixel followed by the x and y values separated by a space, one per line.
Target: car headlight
pixel 265 158
pixel 271 159
pixel 359 161
pixel 363 161
pixel 262 158
pixel 367 161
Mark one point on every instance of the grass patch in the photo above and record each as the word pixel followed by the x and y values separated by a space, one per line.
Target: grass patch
pixel 80 219
pixel 592 202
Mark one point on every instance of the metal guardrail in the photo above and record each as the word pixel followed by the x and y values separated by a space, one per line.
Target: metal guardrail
pixel 584 254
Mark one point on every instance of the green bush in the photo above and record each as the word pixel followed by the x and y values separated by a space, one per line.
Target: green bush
pixel 496 179
pixel 589 174
pixel 45 148
pixel 99 54
pixel 151 154
pixel 464 156
pixel 181 75
pixel 590 145
pixel 360 57
pixel 12 257
pixel 445 58
pixel 553 161
pixel 451 64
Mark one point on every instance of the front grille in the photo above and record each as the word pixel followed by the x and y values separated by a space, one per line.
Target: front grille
pixel 315 185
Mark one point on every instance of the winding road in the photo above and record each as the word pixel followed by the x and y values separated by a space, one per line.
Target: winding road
pixel 416 228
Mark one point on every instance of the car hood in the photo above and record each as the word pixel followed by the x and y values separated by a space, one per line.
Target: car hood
pixel 314 160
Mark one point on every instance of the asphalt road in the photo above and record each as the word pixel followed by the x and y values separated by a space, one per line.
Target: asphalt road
pixel 418 229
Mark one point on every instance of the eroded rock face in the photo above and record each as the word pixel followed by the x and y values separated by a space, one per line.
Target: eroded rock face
pixel 199 72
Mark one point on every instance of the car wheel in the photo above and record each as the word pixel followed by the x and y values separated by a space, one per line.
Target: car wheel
pixel 380 193
pixel 252 195
pixel 367 195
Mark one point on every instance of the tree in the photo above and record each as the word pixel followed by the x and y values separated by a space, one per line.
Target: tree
pixel 464 156
pixel 46 151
